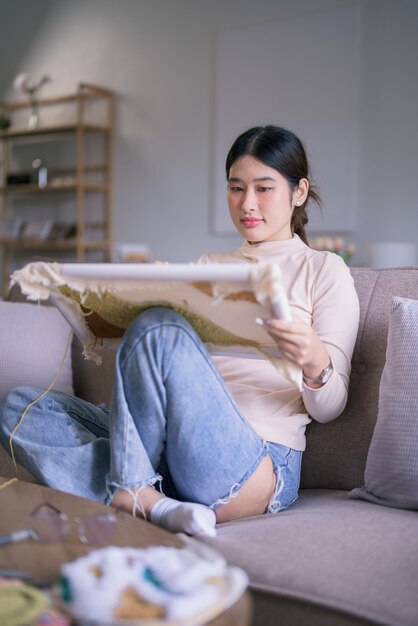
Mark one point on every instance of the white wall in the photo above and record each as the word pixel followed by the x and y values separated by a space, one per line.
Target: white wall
pixel 388 152
pixel 315 95
pixel 157 56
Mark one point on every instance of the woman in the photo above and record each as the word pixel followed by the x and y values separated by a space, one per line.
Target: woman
pixel 222 437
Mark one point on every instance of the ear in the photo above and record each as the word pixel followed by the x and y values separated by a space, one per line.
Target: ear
pixel 301 192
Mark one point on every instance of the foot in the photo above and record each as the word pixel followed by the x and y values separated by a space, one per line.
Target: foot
pixel 186 517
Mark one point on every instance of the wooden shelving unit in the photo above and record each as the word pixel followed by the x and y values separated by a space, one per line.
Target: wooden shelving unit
pixel 78 182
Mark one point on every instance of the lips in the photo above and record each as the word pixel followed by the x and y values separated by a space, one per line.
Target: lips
pixel 251 222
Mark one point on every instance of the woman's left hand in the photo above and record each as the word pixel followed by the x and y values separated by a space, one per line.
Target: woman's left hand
pixel 299 343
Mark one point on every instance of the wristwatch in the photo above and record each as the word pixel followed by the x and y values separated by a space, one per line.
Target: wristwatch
pixel 322 378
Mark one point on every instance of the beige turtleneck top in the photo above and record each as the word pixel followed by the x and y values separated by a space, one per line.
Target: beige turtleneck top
pixel 321 291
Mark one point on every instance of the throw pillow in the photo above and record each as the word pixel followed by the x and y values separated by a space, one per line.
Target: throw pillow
pixel 391 476
pixel 33 339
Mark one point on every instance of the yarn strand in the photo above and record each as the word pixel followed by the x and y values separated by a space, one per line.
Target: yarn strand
pixel 43 394
pixel 8 482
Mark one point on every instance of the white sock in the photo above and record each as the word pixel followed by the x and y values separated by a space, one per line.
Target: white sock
pixel 186 517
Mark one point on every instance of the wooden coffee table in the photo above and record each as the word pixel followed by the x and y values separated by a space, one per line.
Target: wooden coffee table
pixel 43 562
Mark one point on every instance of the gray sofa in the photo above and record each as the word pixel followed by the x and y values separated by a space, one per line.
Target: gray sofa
pixel 329 559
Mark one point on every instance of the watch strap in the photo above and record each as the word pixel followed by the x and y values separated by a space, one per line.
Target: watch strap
pixel 323 377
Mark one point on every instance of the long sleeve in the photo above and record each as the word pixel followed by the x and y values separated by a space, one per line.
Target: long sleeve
pixel 335 319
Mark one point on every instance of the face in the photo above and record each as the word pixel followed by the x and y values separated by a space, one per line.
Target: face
pixel 261 200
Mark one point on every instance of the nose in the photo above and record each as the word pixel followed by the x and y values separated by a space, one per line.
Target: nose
pixel 249 201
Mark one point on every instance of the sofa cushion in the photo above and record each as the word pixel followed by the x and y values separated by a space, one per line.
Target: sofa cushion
pixel 391 475
pixel 328 550
pixel 33 339
pixel 32 346
pixel 336 452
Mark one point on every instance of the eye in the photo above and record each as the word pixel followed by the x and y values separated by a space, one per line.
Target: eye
pixel 234 188
pixel 264 189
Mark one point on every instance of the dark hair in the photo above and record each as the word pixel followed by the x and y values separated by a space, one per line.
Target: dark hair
pixel 283 151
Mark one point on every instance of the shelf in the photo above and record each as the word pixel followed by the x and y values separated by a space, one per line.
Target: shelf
pixel 32 188
pixel 20 244
pixel 64 244
pixel 86 91
pixel 14 133
pixel 74 214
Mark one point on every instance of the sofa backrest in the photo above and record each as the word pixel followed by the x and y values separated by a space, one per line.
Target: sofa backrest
pixel 336 453
pixel 93 382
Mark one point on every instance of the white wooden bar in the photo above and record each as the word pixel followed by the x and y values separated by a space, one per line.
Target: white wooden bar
pixel 144 271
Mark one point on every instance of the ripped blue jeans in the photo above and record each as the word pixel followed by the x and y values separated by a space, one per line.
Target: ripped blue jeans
pixel 171 421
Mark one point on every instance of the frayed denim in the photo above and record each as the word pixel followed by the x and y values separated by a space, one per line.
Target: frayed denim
pixel 172 423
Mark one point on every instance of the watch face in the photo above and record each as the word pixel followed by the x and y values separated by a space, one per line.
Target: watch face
pixel 325 375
